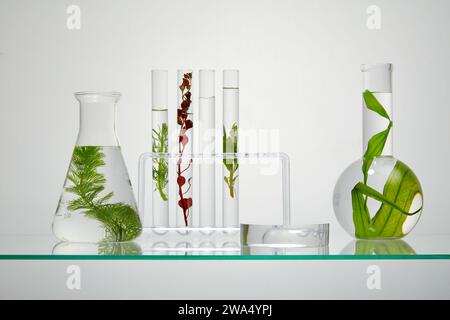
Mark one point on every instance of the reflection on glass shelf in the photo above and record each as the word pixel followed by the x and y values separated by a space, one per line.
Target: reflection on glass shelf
pixel 285 236
pixel 220 246
pixel 190 242
pixel 104 248
pixel 274 250
pixel 378 247
pixel 162 242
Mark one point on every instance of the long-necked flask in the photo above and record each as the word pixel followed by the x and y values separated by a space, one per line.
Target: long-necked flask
pixel 97 202
pixel 378 196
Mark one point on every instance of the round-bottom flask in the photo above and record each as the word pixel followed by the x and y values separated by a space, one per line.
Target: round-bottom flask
pixel 389 177
pixel 378 197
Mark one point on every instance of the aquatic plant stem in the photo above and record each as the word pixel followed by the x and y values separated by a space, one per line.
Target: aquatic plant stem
pixel 185 203
pixel 230 145
pixel 398 193
pixel 160 169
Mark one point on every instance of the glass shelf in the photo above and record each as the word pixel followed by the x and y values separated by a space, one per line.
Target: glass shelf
pixel 174 245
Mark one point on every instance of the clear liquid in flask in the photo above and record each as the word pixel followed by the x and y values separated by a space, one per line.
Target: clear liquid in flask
pixel 97 203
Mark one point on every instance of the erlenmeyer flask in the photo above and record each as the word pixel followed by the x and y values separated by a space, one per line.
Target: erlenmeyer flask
pixel 97 202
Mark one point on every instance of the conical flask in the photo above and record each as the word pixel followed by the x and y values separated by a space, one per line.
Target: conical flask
pixel 97 202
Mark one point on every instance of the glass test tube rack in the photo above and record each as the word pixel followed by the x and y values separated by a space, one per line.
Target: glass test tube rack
pixel 264 201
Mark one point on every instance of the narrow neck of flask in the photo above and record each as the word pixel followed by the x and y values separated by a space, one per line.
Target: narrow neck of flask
pixel 377 79
pixel 97 119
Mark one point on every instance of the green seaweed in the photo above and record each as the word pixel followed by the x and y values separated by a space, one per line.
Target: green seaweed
pixel 120 221
pixel 160 170
pixel 230 145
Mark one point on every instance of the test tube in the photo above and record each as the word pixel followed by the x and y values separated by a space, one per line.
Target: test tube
pixel 207 183
pixel 184 165
pixel 230 194
pixel 160 135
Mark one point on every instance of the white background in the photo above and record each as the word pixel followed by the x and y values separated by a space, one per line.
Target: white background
pixel 299 65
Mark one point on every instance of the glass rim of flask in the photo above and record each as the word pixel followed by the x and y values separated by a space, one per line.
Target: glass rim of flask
pixel 367 67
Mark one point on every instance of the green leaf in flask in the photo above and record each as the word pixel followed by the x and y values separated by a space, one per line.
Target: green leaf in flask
pixel 401 188
pixel 373 104
pixel 374 149
pixel 399 192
